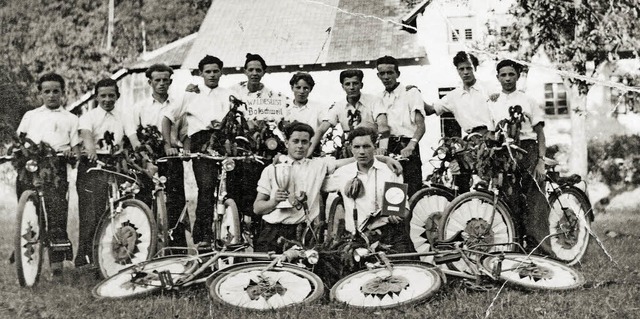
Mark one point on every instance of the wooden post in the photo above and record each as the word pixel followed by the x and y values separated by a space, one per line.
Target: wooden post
pixel 110 24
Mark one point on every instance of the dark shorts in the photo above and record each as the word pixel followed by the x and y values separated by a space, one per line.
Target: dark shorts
pixel 269 234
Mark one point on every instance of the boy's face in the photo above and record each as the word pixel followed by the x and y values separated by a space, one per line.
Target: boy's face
pixel 107 97
pixel 254 72
pixel 160 82
pixel 51 93
pixel 363 149
pixel 388 75
pixel 465 71
pixel 508 78
pixel 298 144
pixel 352 86
pixel 301 90
pixel 211 74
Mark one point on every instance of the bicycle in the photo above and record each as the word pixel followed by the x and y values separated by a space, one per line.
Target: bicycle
pixel 126 233
pixel 391 281
pixel 35 163
pixel 275 282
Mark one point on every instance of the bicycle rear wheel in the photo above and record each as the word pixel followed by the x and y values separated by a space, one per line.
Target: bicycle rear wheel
pixel 29 250
pixel 335 223
pixel 249 286
pixel 127 238
pixel 408 283
pixel 427 207
pixel 569 217
pixel 534 272
pixel 145 278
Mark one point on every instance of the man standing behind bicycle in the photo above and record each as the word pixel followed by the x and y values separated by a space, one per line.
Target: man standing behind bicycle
pixel 101 131
pixel 362 188
pixel 53 125
pixel 401 121
pixel 147 113
pixel 532 139
pixel 306 175
pixel 200 109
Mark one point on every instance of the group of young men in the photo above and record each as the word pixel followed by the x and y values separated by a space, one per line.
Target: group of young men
pixel 390 122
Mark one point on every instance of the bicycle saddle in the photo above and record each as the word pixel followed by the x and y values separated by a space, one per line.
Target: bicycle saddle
pixel 447 243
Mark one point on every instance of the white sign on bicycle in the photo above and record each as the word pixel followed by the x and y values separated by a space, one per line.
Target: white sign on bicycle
pixel 271 108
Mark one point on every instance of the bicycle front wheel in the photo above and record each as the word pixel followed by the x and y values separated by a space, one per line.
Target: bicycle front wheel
pixel 335 222
pixel 249 286
pixel 145 278
pixel 569 219
pixel 124 239
pixel 534 272
pixel 28 245
pixel 427 207
pixel 486 225
pixel 408 283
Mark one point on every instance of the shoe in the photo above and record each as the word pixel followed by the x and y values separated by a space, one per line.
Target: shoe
pixel 56 269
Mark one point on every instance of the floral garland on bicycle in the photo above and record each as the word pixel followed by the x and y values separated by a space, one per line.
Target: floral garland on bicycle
pixel 43 158
pixel 495 160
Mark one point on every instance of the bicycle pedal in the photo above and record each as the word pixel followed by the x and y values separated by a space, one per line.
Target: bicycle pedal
pixel 60 245
pixel 165 279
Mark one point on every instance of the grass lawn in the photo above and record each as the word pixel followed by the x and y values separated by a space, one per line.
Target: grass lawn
pixel 612 289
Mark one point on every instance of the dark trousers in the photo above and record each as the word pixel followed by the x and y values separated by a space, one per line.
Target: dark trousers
pixel 55 198
pixel 206 174
pixel 174 190
pixel 93 196
pixel 269 234
pixel 412 168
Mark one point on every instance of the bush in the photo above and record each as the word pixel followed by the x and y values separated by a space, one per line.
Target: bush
pixel 616 160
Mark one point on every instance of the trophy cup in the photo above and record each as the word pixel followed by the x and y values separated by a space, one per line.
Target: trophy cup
pixel 283 177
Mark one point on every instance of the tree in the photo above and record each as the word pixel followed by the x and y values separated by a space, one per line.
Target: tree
pixel 578 37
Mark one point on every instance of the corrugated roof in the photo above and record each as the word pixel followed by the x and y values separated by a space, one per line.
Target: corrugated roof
pixel 301 32
pixel 172 54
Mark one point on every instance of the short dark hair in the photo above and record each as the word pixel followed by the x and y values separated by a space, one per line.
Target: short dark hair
pixel 255 57
pixel 351 73
pixel 302 76
pixel 462 57
pixel 209 59
pixel 364 131
pixel 388 60
pixel 107 82
pixel 297 127
pixel 515 65
pixel 158 67
pixel 51 77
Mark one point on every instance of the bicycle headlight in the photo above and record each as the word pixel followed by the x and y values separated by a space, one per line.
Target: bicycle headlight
pixel 228 165
pixel 312 256
pixel 441 153
pixel 358 253
pixel 457 146
pixel 162 179
pixel 31 166
pixel 272 143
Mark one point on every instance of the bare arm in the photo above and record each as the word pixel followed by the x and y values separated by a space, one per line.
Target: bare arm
pixel 384 130
pixel 89 144
pixel 169 150
pixel 542 150
pixel 133 138
pixel 408 150
pixel 264 204
pixel 315 141
pixel 429 108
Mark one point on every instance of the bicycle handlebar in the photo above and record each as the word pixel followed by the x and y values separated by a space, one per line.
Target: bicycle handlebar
pixel 207 156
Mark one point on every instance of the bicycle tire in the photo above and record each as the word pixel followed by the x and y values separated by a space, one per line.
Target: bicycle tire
pixel 424 281
pixel 471 213
pixel 289 285
pixel 427 207
pixel 143 279
pixel 336 221
pixel 29 226
pixel 533 272
pixel 162 220
pixel 574 223
pixel 230 231
pixel 135 216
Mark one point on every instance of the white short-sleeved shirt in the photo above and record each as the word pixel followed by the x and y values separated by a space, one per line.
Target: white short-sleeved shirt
pixel 199 109
pixel 150 112
pixel 98 121
pixel 306 175
pixel 532 113
pixel 58 128
pixel 373 182
pixel 401 106
pixel 470 108
pixel 312 113
pixel 368 105
pixel 241 91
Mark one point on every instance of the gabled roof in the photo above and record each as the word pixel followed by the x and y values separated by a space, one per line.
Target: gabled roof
pixel 310 33
pixel 172 54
